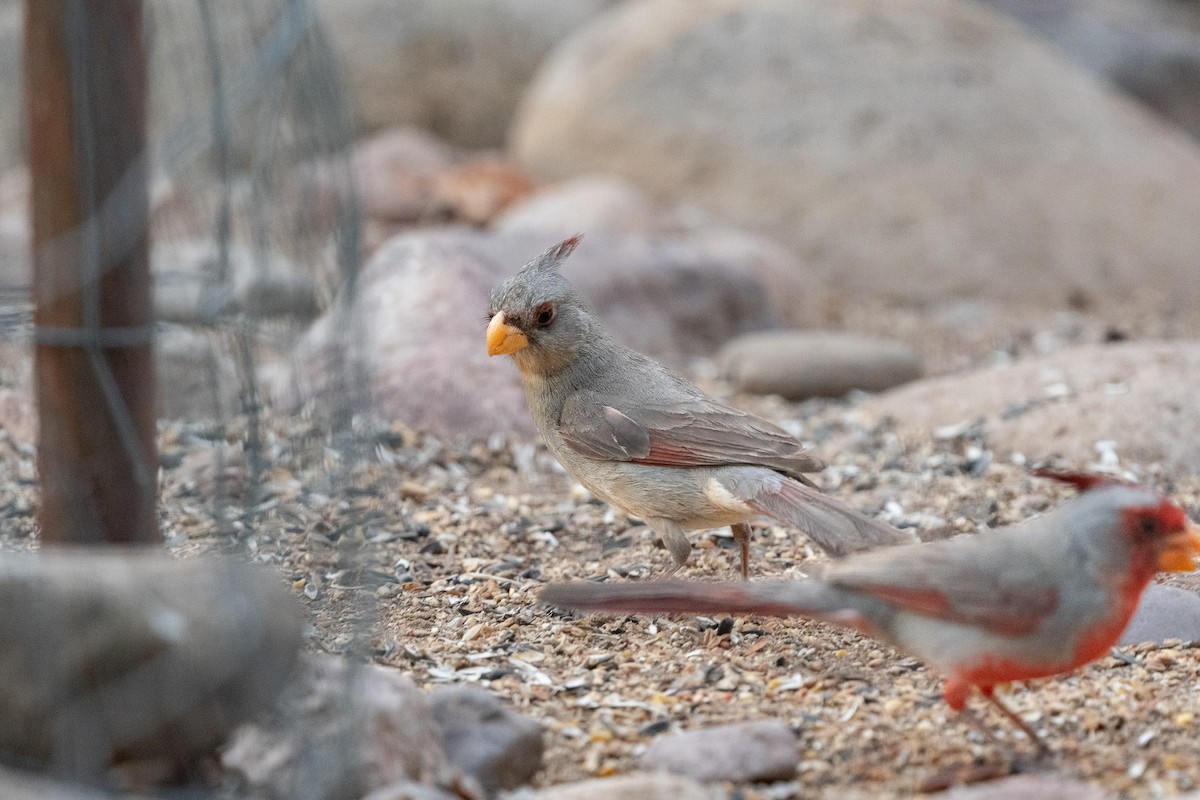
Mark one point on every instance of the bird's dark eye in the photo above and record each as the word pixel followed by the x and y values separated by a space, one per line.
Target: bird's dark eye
pixel 1148 526
pixel 544 315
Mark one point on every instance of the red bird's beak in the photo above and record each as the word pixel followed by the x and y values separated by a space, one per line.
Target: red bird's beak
pixel 1181 550
pixel 504 338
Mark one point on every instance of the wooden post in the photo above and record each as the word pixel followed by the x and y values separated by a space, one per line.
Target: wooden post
pixel 85 77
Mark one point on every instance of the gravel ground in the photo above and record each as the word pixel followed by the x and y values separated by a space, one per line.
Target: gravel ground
pixel 429 559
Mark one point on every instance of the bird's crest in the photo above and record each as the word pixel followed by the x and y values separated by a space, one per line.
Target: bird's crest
pixel 1083 481
pixel 552 259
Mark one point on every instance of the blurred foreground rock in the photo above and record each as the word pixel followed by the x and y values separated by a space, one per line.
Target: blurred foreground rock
pixel 346 729
pixel 341 729
pixel 485 738
pixel 117 657
pixel 1108 404
pixel 803 364
pixel 421 300
pixel 635 786
pixel 18 785
pixel 407 790
pixel 925 150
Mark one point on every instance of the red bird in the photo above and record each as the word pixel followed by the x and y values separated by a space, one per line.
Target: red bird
pixel 1028 601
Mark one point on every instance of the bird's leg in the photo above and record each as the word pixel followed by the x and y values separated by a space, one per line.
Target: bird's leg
pixel 741 535
pixel 1043 749
pixel 674 539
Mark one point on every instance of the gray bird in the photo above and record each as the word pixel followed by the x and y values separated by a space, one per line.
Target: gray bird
pixel 647 440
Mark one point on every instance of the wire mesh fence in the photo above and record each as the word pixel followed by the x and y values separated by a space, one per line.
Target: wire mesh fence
pixel 237 206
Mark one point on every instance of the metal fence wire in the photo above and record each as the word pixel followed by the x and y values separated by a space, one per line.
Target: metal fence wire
pixel 244 190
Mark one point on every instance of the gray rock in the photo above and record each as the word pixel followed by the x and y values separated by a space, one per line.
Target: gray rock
pixel 926 150
pixel 415 330
pixel 134 655
pixel 803 364
pixel 1149 48
pixel 191 284
pixel 18 785
pixel 457 69
pixel 407 790
pixel 635 786
pixel 592 203
pixel 1137 395
pixel 764 750
pixel 1165 612
pixel 392 174
pixel 196 378
pixel 1025 787
pixel 486 739
pixel 343 729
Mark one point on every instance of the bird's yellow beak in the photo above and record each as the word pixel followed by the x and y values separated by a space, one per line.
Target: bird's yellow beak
pixel 1181 551
pixel 503 338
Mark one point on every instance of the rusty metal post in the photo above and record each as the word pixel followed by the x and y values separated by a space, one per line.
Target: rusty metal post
pixel 85 77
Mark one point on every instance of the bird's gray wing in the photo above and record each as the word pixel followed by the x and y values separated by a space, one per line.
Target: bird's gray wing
pixel 981 580
pixel 692 431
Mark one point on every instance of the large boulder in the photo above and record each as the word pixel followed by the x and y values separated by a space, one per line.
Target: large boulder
pixel 112 657
pixel 457 68
pixel 1132 402
pixel 414 326
pixel 906 149
pixel 1149 48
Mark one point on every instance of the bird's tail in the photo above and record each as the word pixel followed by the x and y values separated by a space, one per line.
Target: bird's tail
pixel 809 598
pixel 827 522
